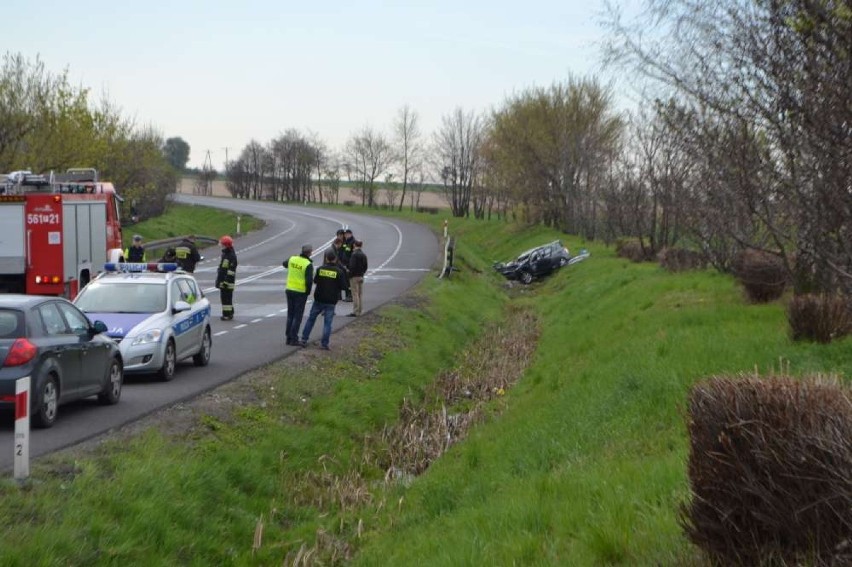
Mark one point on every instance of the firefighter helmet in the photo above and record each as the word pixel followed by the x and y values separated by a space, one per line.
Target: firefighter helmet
pixel 226 241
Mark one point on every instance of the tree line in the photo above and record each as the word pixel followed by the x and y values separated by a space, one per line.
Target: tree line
pixel 47 124
pixel 742 140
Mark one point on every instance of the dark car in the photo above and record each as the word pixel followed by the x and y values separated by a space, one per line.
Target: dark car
pixel 64 354
pixel 535 263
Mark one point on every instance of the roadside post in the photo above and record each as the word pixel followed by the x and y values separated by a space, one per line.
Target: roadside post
pixel 22 428
pixel 446 229
pixel 238 225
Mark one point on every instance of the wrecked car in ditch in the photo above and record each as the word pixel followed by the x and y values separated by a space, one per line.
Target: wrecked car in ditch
pixel 538 262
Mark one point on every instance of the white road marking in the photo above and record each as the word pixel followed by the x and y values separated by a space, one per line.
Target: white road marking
pixel 257 320
pixel 240 326
pixel 220 333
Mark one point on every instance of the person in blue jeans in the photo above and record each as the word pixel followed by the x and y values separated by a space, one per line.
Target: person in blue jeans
pixel 329 281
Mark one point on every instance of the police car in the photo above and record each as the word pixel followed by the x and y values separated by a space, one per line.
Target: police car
pixel 156 313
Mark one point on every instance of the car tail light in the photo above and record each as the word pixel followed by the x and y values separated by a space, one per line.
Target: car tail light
pixel 21 352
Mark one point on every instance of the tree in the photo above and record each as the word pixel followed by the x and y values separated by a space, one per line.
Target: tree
pixel 457 147
pixel 176 151
pixel 550 148
pixel 768 85
pixel 408 147
pixel 370 154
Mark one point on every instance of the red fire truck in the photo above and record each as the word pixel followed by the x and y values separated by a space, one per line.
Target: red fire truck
pixel 56 231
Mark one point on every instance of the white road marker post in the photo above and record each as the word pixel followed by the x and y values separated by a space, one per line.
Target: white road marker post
pixel 22 428
pixel 238 225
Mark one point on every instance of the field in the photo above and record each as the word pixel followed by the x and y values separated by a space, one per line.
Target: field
pixel 427 198
pixel 469 423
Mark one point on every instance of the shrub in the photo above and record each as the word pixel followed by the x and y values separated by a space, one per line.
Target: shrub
pixel 761 274
pixel 681 259
pixel 633 251
pixel 819 317
pixel 770 470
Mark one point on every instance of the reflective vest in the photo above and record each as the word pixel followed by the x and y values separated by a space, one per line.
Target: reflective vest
pixel 296 267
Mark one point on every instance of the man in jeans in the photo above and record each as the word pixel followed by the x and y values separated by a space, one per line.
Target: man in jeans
pixel 329 281
pixel 300 277
pixel 357 269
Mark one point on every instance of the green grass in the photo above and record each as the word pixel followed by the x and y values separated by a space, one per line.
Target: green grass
pixel 583 465
pixel 180 220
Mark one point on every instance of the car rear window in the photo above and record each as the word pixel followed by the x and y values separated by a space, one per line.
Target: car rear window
pixel 11 324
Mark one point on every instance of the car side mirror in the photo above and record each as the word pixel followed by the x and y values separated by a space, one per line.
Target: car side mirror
pixel 181 306
pixel 99 327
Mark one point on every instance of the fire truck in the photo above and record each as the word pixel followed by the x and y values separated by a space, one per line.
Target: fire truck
pixel 56 231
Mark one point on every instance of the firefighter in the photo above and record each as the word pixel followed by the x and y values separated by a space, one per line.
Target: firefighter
pixel 135 252
pixel 187 254
pixel 226 277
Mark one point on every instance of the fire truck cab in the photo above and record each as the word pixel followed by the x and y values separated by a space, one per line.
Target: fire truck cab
pixel 56 231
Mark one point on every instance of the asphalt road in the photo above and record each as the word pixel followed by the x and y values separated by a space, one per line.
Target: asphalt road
pixel 400 254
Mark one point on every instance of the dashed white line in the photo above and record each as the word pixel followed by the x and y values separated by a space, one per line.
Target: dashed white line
pixel 258 320
pixel 241 326
pixel 220 333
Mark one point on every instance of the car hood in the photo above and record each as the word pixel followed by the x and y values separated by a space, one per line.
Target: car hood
pixel 120 325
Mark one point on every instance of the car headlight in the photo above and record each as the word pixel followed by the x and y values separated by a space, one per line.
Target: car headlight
pixel 151 336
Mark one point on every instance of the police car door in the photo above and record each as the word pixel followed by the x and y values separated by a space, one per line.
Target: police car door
pixel 181 321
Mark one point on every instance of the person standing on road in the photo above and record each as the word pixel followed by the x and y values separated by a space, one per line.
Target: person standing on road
pixel 348 242
pixel 135 252
pixel 187 254
pixel 328 283
pixel 357 270
pixel 300 277
pixel 226 277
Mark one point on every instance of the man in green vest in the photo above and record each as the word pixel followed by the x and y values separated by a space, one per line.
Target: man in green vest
pixel 300 278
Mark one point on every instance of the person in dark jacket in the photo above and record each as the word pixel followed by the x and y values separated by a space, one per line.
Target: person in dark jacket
pixel 346 250
pixel 226 277
pixel 357 269
pixel 135 252
pixel 328 283
pixel 187 254
pixel 300 277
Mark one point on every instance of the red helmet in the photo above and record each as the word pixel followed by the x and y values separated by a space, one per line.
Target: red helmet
pixel 227 241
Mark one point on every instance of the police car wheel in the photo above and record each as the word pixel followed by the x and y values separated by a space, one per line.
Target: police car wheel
pixel 167 371
pixel 203 355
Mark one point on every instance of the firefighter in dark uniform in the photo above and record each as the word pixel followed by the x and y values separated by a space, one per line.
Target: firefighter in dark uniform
pixel 135 252
pixel 346 249
pixel 187 254
pixel 226 277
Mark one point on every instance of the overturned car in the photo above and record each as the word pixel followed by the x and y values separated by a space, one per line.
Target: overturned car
pixel 539 262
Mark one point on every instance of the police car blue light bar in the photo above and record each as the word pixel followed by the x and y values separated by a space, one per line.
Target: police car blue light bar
pixel 135 267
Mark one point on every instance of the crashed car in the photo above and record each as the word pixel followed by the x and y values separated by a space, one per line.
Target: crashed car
pixel 156 313
pixel 538 262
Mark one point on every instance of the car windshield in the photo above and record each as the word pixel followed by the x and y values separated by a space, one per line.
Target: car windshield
pixel 123 297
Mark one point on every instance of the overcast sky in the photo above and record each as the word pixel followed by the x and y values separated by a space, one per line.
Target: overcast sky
pixel 219 74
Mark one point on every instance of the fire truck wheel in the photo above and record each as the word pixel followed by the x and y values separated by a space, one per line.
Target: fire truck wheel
pixel 46 403
pixel 167 372
pixel 112 390
pixel 203 355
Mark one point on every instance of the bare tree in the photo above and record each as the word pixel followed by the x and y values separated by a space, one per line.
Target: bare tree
pixel 409 147
pixel 457 153
pixel 370 154
pixel 768 85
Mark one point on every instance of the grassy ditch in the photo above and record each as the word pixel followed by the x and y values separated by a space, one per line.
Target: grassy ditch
pixel 468 424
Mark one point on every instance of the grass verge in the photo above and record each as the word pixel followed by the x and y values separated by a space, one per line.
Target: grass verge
pixel 581 461
pixel 179 220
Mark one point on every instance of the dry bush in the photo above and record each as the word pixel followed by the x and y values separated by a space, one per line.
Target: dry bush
pixel 820 317
pixel 681 259
pixel 770 469
pixel 633 251
pixel 762 275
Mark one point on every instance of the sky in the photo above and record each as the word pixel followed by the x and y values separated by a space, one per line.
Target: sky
pixel 220 74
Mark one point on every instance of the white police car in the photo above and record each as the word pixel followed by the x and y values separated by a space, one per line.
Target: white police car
pixel 156 313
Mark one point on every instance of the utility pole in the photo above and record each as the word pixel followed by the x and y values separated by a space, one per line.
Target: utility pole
pixel 226 148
